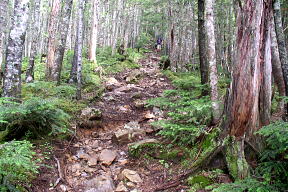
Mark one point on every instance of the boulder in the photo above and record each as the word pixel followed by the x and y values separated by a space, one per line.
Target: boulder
pixel 132 176
pixel 107 156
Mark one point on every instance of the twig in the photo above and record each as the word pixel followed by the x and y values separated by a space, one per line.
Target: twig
pixel 60 174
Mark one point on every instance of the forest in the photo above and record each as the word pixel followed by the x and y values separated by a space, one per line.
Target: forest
pixel 143 95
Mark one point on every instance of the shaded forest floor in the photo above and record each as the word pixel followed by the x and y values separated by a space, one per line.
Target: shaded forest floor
pixel 97 158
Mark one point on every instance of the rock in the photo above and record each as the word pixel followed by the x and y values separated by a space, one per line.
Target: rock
pixel 157 111
pixel 91 114
pixel 133 76
pixel 130 184
pixel 137 95
pixel 124 89
pixel 112 81
pixel 82 155
pixel 139 103
pixel 124 136
pixel 63 188
pixel 123 161
pixel 149 116
pixel 132 176
pixel 136 190
pixel 121 187
pixel 107 157
pixel 132 125
pixel 76 167
pixel 102 183
pixel 95 144
pixel 143 142
pixel 92 161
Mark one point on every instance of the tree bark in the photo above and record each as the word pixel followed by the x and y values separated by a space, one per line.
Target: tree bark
pixel 50 65
pixel 204 68
pixel 35 38
pixel 94 32
pixel 281 46
pixel 12 74
pixel 276 67
pixel 78 44
pixel 211 55
pixel 3 24
pixel 251 63
pixel 63 29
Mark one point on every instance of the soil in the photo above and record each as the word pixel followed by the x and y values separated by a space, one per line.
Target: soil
pixel 118 108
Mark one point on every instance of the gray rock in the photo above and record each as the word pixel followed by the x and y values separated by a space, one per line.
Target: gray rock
pixel 102 183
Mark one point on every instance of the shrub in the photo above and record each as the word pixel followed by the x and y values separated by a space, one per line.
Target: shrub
pixel 33 118
pixel 17 164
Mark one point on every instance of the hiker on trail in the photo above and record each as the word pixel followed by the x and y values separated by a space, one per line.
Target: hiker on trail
pixel 159 44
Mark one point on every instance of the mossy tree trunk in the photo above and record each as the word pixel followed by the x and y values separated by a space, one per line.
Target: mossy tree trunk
pixel 249 102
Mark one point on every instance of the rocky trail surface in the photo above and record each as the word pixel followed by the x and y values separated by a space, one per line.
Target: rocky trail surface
pixel 97 159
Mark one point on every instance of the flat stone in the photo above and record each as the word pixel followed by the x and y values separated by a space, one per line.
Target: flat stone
pixel 121 187
pixel 102 183
pixel 132 176
pixel 107 157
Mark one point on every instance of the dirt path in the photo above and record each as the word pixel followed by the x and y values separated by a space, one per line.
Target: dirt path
pixel 97 159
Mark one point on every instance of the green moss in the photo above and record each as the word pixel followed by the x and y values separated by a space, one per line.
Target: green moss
pixel 235 158
pixel 199 181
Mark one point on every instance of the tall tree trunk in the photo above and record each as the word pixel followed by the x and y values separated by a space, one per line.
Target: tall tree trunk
pixel 94 32
pixel 204 68
pixel 276 67
pixel 12 75
pixel 3 24
pixel 63 29
pixel 78 44
pixel 251 64
pixel 211 54
pixel 35 38
pixel 281 46
pixel 50 65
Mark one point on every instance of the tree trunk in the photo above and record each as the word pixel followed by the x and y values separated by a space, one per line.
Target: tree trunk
pixel 35 28
pixel 94 32
pixel 211 54
pixel 12 75
pixel 202 46
pixel 63 29
pixel 50 65
pixel 252 62
pixel 3 24
pixel 276 67
pixel 281 46
pixel 78 44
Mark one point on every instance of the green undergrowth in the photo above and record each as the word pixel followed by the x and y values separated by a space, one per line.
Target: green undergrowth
pixel 116 63
pixel 31 119
pixel 18 165
pixel 159 151
pixel 188 114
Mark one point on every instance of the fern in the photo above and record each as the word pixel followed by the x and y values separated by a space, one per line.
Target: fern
pixel 36 116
